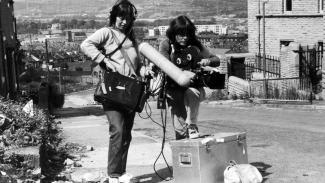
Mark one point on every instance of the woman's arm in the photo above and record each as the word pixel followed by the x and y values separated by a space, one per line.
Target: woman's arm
pixel 208 58
pixel 90 46
pixel 165 48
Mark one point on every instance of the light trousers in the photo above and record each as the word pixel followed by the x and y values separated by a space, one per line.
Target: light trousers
pixel 184 107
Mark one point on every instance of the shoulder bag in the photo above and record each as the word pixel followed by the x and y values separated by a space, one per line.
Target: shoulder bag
pixel 122 92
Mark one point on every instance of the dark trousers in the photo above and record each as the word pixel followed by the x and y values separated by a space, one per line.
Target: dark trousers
pixel 120 126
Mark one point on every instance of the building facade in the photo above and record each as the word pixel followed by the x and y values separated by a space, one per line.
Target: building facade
pixel 217 29
pixel 285 21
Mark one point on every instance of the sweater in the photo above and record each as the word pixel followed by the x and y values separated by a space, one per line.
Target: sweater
pixel 103 39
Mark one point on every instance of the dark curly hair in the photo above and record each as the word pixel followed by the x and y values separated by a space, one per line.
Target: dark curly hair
pixel 182 25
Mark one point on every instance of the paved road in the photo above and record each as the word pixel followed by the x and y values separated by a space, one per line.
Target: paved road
pixel 286 144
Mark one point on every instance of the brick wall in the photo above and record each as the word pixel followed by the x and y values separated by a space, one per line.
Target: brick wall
pixel 304 25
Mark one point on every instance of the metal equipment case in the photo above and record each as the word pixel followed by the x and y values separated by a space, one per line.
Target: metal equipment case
pixel 203 160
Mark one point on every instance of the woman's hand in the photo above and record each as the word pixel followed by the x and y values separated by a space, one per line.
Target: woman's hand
pixel 109 65
pixel 205 62
pixel 146 71
pixel 211 69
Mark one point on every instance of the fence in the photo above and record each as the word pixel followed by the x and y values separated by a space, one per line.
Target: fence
pixel 310 61
pixel 272 66
pixel 244 70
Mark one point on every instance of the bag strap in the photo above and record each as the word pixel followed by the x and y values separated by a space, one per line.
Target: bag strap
pixel 125 55
pixel 117 48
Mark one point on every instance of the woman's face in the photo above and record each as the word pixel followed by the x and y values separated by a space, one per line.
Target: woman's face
pixel 182 39
pixel 122 22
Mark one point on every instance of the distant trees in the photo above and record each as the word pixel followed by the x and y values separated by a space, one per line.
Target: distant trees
pixel 33 27
pixel 242 15
pixel 28 27
pixel 157 22
pixel 236 43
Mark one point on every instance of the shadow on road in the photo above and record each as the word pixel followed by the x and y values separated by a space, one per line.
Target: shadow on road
pixel 159 176
pixel 262 167
pixel 80 111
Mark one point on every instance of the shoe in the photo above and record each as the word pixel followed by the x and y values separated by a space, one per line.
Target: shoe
pixel 113 180
pixel 127 178
pixel 193 131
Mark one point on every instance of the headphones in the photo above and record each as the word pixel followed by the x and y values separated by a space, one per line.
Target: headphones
pixel 115 9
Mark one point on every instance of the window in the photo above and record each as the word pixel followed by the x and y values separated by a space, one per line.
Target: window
pixel 288 5
pixel 285 43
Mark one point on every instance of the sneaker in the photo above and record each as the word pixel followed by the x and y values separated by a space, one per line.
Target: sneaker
pixel 113 180
pixel 127 178
pixel 193 131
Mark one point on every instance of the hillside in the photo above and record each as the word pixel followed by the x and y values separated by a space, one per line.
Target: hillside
pixel 146 8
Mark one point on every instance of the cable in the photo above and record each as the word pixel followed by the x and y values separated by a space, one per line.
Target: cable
pixel 148 111
pixel 164 122
pixel 163 114
pixel 155 89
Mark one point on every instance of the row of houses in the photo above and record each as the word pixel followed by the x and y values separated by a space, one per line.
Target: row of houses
pixel 56 35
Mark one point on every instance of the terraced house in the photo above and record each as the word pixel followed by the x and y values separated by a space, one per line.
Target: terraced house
pixel 293 31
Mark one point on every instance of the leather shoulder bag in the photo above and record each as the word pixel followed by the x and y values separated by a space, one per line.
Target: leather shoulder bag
pixel 122 92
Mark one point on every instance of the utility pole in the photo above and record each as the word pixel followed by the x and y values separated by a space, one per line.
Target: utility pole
pixel 47 61
pixel 2 67
pixel 264 54
pixel 60 87
pixel 259 31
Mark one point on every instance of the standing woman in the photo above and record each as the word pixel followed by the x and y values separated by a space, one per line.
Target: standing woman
pixel 103 48
pixel 184 102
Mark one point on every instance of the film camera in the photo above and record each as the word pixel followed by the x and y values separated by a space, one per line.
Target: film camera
pixel 188 59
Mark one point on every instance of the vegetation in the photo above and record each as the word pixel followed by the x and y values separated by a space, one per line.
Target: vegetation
pixel 22 130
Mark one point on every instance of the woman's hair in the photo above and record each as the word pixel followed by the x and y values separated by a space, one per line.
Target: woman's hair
pixel 182 25
pixel 124 8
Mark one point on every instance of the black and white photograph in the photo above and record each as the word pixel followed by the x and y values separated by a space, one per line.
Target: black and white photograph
pixel 154 91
